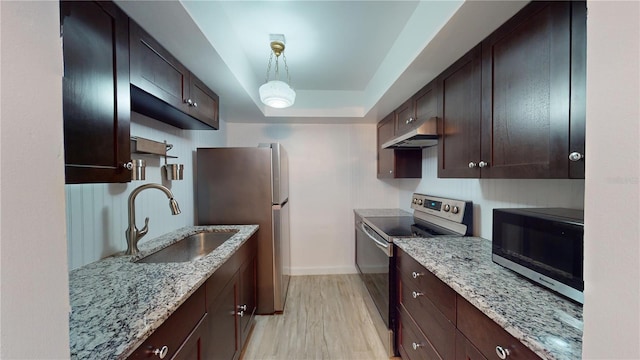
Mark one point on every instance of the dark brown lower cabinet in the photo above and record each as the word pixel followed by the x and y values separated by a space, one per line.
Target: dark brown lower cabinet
pixel 231 303
pixel 215 322
pixel 434 322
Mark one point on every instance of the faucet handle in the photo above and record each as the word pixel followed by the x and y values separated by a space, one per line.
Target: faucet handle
pixel 142 232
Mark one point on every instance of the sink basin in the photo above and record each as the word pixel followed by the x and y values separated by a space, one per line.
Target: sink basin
pixel 190 248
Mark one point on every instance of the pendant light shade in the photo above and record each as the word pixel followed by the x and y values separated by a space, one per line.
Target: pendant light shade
pixel 276 93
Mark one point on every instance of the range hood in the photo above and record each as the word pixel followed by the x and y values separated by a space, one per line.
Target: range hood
pixel 425 135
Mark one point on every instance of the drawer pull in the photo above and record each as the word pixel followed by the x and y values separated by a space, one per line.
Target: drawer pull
pixel 162 352
pixel 502 352
pixel 416 294
pixel 415 346
pixel 415 275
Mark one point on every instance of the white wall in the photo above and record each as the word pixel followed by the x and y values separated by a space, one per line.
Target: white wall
pixel 612 203
pixel 97 213
pixel 487 194
pixel 34 304
pixel 332 171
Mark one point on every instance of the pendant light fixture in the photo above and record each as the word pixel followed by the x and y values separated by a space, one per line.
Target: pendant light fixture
pixel 276 93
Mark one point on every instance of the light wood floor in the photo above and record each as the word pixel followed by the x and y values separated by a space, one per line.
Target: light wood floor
pixel 324 318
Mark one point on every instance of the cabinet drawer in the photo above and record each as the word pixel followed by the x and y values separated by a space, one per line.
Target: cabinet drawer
pixel 176 329
pixel 412 343
pixel 434 325
pixel 488 336
pixel 441 295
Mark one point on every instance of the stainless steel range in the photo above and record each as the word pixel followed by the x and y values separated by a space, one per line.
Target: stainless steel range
pixel 432 217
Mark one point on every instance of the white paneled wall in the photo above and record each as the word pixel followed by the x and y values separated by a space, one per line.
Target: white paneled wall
pixel 332 171
pixel 488 194
pixel 97 213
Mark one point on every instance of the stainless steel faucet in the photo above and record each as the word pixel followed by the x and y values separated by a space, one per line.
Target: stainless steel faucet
pixel 132 233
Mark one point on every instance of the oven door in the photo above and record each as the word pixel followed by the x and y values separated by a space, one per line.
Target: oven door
pixel 374 257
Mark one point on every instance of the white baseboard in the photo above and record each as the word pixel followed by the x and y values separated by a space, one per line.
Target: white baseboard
pixel 296 271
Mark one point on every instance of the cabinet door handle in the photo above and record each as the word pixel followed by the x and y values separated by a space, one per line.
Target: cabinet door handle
pixel 483 164
pixel 162 352
pixel 128 166
pixel 189 102
pixel 241 313
pixel 242 307
pixel 195 104
pixel 409 120
pixel 472 165
pixel 415 346
pixel 415 275
pixel 415 294
pixel 502 352
pixel 576 156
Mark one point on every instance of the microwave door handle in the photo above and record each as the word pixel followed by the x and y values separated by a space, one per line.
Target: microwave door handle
pixel 380 244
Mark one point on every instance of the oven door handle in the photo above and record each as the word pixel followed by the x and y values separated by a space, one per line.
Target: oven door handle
pixel 383 246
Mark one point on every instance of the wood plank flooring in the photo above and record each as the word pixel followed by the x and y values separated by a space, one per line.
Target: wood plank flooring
pixel 324 318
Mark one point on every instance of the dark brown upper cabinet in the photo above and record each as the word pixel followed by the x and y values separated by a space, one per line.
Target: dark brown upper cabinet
pixel 421 108
pixel 96 104
pixel 531 115
pixel 459 115
pixel 395 163
pixel 164 89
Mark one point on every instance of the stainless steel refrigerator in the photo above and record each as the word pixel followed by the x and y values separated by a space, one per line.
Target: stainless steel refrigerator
pixel 251 186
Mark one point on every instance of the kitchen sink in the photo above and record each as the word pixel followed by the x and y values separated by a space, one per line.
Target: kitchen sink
pixel 190 248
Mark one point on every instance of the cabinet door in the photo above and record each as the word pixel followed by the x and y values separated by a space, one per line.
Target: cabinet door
pixel 426 104
pixel 526 79
pixel 420 109
pixel 405 117
pixel 96 97
pixel 487 336
pixel 396 163
pixel 578 86
pixel 465 349
pixel 156 71
pixel 385 156
pixel 247 298
pixel 204 103
pixel 459 115
pixel 192 348
pixel 222 344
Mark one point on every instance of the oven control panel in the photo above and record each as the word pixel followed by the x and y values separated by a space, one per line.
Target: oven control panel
pixel 450 209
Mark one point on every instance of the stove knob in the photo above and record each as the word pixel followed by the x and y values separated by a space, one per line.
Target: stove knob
pixel 415 201
pixel 447 207
pixel 420 202
pixel 455 210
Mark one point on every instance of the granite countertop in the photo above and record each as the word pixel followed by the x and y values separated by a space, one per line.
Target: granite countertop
pixel 116 303
pixel 549 325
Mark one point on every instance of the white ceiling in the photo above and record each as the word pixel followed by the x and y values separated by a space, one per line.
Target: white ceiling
pixel 349 61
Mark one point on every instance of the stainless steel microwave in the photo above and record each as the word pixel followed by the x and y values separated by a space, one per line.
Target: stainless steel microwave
pixel 543 244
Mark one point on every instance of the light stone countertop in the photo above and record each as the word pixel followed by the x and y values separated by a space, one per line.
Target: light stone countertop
pixel 548 324
pixel 116 304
